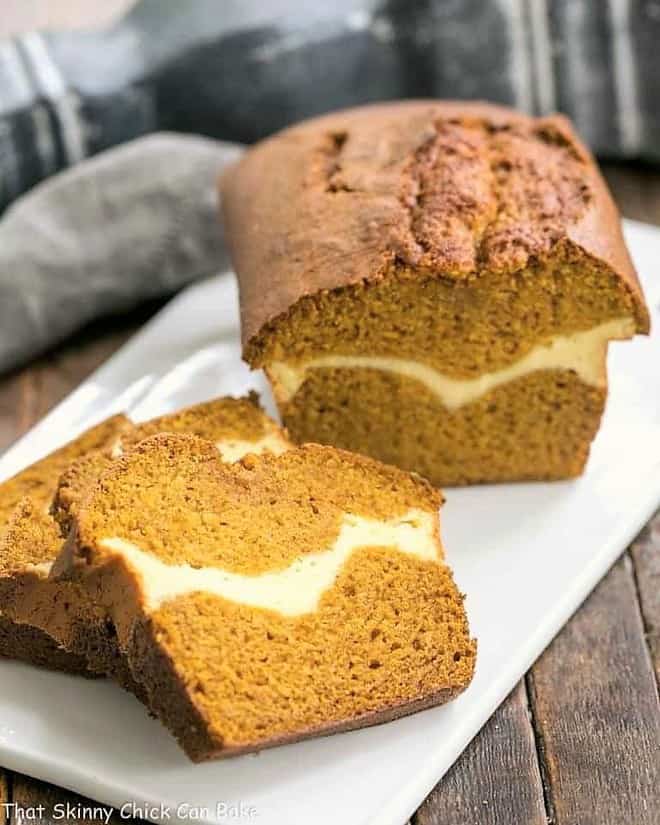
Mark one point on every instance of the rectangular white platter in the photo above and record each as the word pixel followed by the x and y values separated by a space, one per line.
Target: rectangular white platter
pixel 526 555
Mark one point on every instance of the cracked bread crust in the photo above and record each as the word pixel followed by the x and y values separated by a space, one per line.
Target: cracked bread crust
pixel 452 188
pixel 241 418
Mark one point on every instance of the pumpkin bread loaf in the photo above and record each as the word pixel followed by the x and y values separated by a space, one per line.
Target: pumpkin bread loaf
pixel 433 284
pixel 273 599
pixel 70 623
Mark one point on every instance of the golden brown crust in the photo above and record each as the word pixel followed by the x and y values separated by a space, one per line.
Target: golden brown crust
pixel 223 418
pixel 59 625
pixel 24 501
pixel 74 484
pixel 455 187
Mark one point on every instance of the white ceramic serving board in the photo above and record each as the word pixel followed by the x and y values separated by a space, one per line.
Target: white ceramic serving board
pixel 526 555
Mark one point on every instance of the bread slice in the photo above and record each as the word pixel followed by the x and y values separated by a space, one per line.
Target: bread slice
pixel 433 284
pixel 34 532
pixel 273 599
pixel 31 491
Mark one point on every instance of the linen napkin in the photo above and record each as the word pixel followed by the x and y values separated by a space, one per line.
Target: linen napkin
pixel 135 222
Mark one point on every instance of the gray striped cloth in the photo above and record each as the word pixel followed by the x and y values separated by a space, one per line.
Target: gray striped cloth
pixel 136 222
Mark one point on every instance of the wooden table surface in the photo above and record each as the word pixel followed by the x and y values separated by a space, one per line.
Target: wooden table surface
pixel 578 740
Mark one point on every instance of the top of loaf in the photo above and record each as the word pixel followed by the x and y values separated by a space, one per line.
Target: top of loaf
pixel 452 187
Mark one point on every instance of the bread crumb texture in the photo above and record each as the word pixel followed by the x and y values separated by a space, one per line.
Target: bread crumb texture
pixel 536 427
pixel 388 636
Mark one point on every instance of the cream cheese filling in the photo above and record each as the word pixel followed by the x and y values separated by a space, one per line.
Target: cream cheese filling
pixel 581 352
pixel 233 449
pixel 42 569
pixel 294 590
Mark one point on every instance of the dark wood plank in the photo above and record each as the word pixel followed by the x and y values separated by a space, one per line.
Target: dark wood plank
pixel 4 796
pixel 636 189
pixel 46 804
pixel 596 714
pixel 497 778
pixel 10 399
pixel 645 552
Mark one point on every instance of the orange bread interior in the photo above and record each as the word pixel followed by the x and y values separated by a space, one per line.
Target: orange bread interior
pixel 272 599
